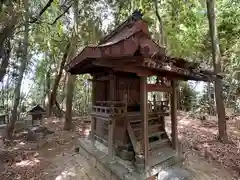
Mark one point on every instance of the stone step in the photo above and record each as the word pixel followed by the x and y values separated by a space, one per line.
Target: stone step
pixel 161 154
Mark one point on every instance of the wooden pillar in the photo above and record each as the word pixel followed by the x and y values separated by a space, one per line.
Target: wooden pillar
pixel 112 87
pixel 111 122
pixel 111 139
pixel 174 115
pixel 144 116
pixel 154 103
pixel 93 121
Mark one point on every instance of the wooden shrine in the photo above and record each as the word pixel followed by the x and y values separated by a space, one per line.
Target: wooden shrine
pixel 122 116
pixel 35 115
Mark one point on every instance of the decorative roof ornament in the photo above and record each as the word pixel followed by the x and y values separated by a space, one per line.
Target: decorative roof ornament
pixel 137 14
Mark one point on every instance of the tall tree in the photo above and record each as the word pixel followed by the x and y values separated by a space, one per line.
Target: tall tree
pixel 71 78
pixel 23 63
pixel 53 94
pixel 217 68
pixel 8 21
pixel 161 28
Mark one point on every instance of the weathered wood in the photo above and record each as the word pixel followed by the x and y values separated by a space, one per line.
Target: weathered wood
pixel 158 87
pixel 111 125
pixel 126 120
pixel 105 78
pixel 132 137
pixel 93 120
pixel 109 110
pixel 140 71
pixel 174 116
pixel 109 103
pixel 112 87
pixel 144 117
pixel 113 63
pixel 111 139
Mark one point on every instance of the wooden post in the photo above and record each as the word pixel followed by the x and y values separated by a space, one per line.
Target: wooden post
pixel 112 87
pixel 154 103
pixel 144 117
pixel 174 115
pixel 111 124
pixel 111 139
pixel 93 121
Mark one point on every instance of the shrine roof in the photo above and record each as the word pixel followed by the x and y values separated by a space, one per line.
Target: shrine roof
pixel 36 108
pixel 130 46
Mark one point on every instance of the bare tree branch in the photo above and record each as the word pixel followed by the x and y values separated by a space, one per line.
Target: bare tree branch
pixel 66 10
pixel 42 11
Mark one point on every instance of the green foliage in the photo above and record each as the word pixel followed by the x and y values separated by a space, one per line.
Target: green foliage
pixel 185 30
pixel 188 97
pixel 206 100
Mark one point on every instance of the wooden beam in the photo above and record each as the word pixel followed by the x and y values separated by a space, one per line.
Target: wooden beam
pixel 132 137
pixel 174 115
pixel 111 137
pixel 140 71
pixel 112 87
pixel 112 121
pixel 158 87
pixel 93 120
pixel 105 78
pixel 127 66
pixel 114 62
pixel 144 117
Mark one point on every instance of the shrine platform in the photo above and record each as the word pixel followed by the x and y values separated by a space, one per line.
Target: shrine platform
pixel 118 169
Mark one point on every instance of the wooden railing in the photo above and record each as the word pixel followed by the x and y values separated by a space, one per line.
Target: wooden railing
pixel 158 106
pixel 110 107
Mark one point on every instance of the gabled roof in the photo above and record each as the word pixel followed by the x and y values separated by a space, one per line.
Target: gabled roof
pixel 136 15
pixel 131 40
pixel 36 108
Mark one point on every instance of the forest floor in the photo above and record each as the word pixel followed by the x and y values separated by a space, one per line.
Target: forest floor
pixel 51 158
pixel 200 137
pixel 54 157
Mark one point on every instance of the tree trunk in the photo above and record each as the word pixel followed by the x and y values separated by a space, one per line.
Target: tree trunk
pixel 5 56
pixel 162 40
pixel 161 28
pixel 217 68
pixel 71 78
pixel 53 94
pixel 5 34
pixel 22 68
pixel 47 88
pixel 69 100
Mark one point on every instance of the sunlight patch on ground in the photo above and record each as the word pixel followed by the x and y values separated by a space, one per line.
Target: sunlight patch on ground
pixel 69 173
pixel 28 163
pixel 65 175
pixel 185 122
pixel 213 131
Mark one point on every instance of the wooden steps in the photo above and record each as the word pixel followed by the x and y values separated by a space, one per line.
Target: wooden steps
pixel 156 132
pixel 150 127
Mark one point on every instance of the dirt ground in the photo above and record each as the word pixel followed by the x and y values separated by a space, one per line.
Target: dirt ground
pixel 55 158
pixel 200 138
